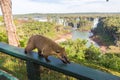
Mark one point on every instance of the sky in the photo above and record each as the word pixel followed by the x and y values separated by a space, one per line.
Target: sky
pixel 64 6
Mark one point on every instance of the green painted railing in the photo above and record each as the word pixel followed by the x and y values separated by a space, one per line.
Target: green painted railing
pixel 33 62
pixel 6 76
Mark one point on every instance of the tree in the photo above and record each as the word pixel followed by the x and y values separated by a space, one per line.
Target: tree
pixel 6 7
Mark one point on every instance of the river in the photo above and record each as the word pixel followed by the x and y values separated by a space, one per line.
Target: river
pixel 85 34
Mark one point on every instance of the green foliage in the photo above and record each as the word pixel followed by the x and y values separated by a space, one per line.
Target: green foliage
pixel 14 66
pixel 111 26
pixel 48 74
pixel 92 53
pixel 3 36
pixel 85 25
pixel 1 19
pixel 101 35
pixel 31 28
pixel 110 61
pixel 75 49
pixel 78 52
pixel 23 42
pixel 27 29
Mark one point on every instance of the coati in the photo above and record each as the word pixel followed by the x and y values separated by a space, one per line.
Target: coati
pixel 46 47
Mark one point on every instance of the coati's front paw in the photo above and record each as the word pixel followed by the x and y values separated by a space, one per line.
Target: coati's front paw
pixel 64 62
pixel 47 60
pixel 68 62
pixel 25 52
pixel 40 54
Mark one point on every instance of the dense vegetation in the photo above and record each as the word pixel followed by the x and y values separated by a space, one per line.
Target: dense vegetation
pixel 76 50
pixel 111 26
pixel 91 56
pixel 82 23
pixel 108 31
pixel 29 28
pixel 85 25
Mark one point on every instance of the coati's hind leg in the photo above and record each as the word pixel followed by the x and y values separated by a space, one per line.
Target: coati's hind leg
pixel 25 51
pixel 46 58
pixel 40 53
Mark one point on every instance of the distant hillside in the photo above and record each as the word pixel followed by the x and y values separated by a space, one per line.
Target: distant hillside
pixel 65 14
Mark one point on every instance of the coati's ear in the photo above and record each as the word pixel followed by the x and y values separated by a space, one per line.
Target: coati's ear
pixel 58 51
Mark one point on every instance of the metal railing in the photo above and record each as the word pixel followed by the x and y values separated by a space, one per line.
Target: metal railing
pixel 33 63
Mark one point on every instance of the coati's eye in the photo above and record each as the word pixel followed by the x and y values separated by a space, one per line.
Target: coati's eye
pixel 58 51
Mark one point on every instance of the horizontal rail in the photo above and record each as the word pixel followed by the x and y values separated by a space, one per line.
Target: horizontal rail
pixel 6 76
pixel 75 70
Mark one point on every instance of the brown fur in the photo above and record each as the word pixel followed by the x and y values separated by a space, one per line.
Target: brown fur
pixel 46 47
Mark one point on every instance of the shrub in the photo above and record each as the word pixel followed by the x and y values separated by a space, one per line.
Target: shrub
pixel 92 53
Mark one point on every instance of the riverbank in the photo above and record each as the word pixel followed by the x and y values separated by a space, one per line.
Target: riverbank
pixel 63 37
pixel 102 45
pixel 105 47
pixel 94 38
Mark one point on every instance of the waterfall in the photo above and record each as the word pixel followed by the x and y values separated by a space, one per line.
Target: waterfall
pixel 74 26
pixel 85 34
pixel 95 22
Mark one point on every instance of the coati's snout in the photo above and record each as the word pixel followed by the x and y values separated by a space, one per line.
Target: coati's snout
pixel 62 56
pixel 64 59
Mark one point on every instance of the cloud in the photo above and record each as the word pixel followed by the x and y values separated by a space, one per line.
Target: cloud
pixel 64 6
pixel 95 6
pixel 33 6
pixel 47 1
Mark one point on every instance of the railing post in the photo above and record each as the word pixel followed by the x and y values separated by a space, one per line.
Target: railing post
pixel 33 71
